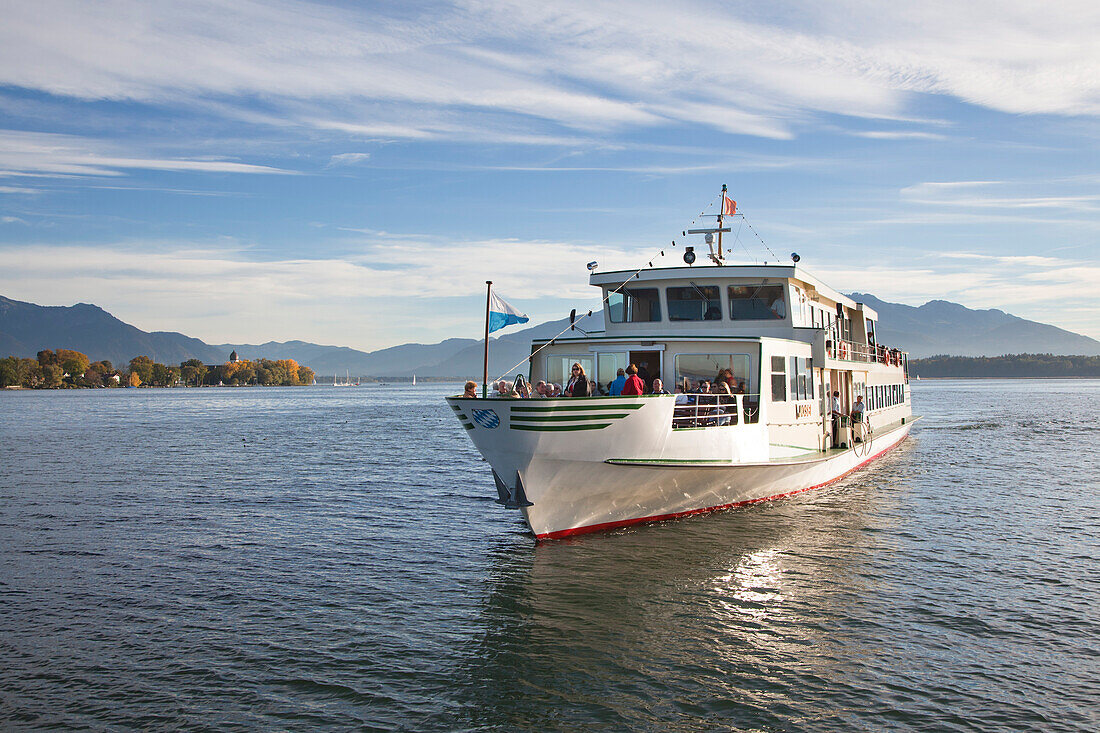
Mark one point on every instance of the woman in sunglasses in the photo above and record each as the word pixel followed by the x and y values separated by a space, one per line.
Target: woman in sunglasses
pixel 577 386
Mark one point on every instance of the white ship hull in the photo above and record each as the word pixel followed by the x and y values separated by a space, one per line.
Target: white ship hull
pixel 601 463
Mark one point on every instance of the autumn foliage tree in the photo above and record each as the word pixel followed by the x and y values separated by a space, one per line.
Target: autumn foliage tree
pixel 70 368
pixel 142 366
pixel 73 362
pixel 193 372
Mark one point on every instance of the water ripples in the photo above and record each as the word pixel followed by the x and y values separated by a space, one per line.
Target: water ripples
pixel 315 559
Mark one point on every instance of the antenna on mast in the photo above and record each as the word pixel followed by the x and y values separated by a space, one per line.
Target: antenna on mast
pixel 718 257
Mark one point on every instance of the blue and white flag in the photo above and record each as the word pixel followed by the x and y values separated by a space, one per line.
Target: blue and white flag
pixel 501 314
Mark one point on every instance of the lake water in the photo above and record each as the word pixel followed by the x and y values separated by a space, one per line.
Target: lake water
pixel 320 558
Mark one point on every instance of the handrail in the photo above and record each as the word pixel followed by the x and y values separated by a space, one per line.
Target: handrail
pixel 869 353
pixel 715 410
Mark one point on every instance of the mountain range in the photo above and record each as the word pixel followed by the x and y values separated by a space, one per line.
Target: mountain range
pixel 937 327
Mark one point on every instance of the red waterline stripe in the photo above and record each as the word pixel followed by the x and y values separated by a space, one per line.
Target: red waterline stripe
pixel 605 526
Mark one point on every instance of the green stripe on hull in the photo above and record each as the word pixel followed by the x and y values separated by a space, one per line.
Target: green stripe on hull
pixel 559 418
pixel 526 408
pixel 468 426
pixel 545 428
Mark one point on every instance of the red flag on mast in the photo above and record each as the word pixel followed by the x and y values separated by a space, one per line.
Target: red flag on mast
pixel 729 206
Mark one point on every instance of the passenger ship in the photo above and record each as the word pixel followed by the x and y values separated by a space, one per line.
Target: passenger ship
pixel 577 465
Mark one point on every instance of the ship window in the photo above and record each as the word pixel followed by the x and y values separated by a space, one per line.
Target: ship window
pixel 757 302
pixel 608 366
pixel 558 367
pixel 779 379
pixel 634 305
pixel 694 303
pixel 698 367
pixel 801 378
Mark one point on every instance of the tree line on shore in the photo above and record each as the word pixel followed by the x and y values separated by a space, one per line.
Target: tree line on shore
pixel 66 368
pixel 1012 365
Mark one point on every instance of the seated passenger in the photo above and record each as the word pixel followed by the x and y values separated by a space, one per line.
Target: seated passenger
pixel 541 390
pixel 616 387
pixel 471 389
pixel 504 389
pixel 633 384
pixel 553 390
pixel 659 387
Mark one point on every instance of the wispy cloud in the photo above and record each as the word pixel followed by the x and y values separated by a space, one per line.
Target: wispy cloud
pixel 406 283
pixel 177 285
pixel 998 195
pixel 899 135
pixel 564 62
pixel 348 159
pixel 1029 286
pixel 40 153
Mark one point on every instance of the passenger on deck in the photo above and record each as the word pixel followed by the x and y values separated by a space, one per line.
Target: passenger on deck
pixel 659 387
pixel 633 384
pixel 553 390
pixel 834 411
pixel 857 411
pixel 471 389
pixel 616 387
pixel 577 386
pixel 504 389
pixel 541 390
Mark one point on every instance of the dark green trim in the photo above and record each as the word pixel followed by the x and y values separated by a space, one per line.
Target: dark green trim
pixel 571 408
pixel 468 426
pixel 672 461
pixel 549 418
pixel 542 428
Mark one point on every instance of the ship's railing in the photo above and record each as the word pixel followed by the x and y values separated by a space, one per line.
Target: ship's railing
pixel 869 353
pixel 714 410
pixel 850 351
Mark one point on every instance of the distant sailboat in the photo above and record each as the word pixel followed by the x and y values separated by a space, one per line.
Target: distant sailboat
pixel 414 380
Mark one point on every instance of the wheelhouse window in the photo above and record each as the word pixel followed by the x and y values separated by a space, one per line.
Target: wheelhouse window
pixel 558 367
pixel 691 369
pixel 694 303
pixel 634 305
pixel 607 366
pixel 757 302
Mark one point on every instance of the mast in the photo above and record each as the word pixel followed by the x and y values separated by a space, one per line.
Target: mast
pixel 721 214
pixel 485 369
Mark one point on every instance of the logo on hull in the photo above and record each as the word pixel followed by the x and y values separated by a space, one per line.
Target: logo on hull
pixel 486 418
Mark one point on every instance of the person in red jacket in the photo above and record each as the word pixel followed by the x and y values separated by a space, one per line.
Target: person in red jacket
pixel 633 384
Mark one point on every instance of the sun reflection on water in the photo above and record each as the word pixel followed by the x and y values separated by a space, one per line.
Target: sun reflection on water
pixel 752 587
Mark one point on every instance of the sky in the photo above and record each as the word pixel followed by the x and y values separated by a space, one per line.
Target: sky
pixel 351 173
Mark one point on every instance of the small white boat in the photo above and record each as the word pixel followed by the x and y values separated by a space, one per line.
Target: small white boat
pixel 784 342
